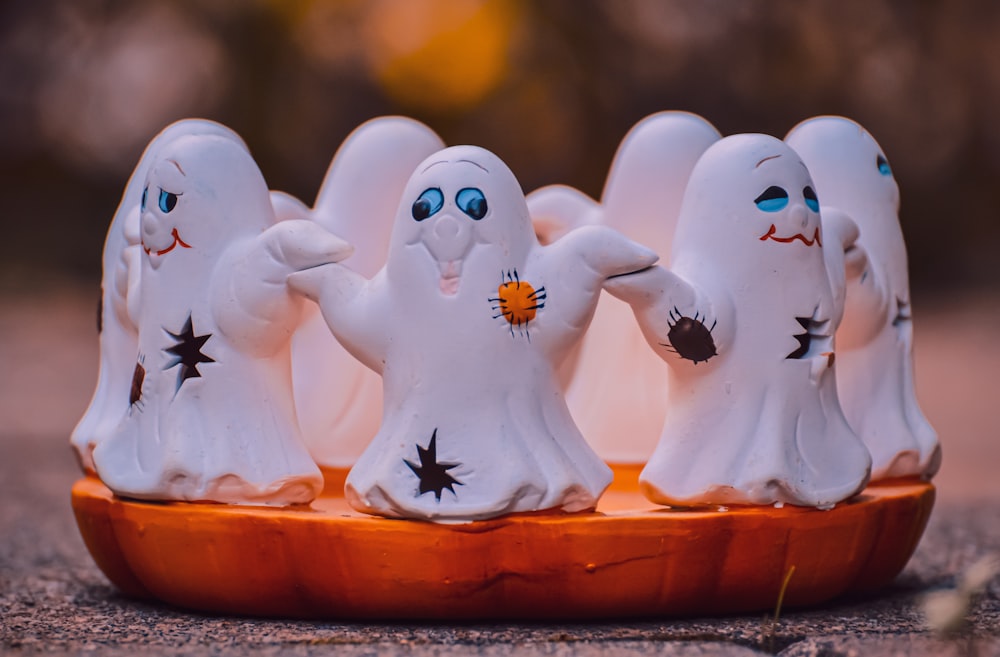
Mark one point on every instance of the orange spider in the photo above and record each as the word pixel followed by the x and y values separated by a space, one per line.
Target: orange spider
pixel 517 302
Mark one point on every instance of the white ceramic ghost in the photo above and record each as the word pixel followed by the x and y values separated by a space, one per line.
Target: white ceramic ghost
pixel 118 338
pixel 745 319
pixel 210 415
pixel 875 339
pixel 618 392
pixel 339 400
pixel 466 323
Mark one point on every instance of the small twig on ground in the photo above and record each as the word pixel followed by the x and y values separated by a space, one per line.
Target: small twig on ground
pixel 770 626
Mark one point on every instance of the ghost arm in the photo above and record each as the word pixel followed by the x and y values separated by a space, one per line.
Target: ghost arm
pixel 678 320
pixel 573 270
pixel 557 209
pixel 124 297
pixel 859 287
pixel 354 308
pixel 123 267
pixel 251 301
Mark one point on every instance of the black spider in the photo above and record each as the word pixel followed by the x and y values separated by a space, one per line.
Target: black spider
pixel 138 377
pixel 689 338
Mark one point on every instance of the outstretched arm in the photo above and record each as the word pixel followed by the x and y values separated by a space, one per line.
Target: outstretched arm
pixel 573 270
pixel 679 321
pixel 866 307
pixel 352 307
pixel 251 300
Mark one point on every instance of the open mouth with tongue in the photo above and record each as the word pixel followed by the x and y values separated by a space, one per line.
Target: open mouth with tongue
pixel 451 272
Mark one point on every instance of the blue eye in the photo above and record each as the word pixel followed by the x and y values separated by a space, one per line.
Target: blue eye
pixel 472 202
pixel 773 199
pixel 167 201
pixel 811 199
pixel 142 204
pixel 429 202
pixel 883 166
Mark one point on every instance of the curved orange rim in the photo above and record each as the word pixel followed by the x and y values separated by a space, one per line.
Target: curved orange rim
pixel 627 559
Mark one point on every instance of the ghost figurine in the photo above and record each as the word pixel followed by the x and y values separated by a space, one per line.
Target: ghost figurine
pixel 467 323
pixel 745 318
pixel 618 392
pixel 118 338
pixel 875 339
pixel 339 400
pixel 210 415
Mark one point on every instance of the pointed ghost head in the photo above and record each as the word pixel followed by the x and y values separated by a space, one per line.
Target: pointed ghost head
pixel 461 207
pixel 852 174
pixel 201 192
pixel 646 182
pixel 129 205
pixel 749 204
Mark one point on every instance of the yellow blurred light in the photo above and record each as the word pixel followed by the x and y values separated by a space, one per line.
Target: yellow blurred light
pixel 440 55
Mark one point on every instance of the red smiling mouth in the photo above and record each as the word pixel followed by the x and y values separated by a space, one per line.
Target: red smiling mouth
pixel 177 241
pixel 797 236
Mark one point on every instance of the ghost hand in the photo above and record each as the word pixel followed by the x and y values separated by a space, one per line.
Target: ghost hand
pixel 252 302
pixel 578 264
pixel 593 254
pixel 294 245
pixel 841 231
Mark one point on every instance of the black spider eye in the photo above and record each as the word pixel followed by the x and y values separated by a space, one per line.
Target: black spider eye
pixel 773 199
pixel 883 165
pixel 142 204
pixel 167 201
pixel 811 199
pixel 472 202
pixel 430 201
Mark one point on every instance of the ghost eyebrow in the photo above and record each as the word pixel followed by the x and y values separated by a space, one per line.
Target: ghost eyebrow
pixel 176 164
pixel 475 164
pixel 769 157
pixel 434 164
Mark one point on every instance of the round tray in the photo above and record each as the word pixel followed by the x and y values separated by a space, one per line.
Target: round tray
pixel 627 559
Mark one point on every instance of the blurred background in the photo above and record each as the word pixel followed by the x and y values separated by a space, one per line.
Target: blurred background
pixel 550 86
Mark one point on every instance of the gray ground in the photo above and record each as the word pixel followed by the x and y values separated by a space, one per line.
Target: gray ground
pixel 54 599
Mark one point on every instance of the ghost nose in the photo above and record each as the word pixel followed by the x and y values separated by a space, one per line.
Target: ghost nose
pixel 447 228
pixel 148 224
pixel 448 238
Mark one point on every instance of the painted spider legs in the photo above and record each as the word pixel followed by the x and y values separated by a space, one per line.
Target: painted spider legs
pixel 517 302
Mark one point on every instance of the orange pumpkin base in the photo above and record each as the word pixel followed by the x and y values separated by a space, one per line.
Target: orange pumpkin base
pixel 627 559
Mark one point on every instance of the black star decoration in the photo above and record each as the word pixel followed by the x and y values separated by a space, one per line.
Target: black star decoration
pixel 804 338
pixel 433 476
pixel 187 352
pixel 815 340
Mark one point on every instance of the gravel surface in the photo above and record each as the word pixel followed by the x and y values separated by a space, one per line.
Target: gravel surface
pixel 54 599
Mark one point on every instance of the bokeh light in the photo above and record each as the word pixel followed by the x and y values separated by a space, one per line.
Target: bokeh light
pixel 440 55
pixel 551 87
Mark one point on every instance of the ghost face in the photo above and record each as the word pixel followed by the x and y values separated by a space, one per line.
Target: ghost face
pixel 750 229
pixel 135 193
pixel 853 175
pixel 750 203
pixel 160 235
pixel 460 201
pixel 200 192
